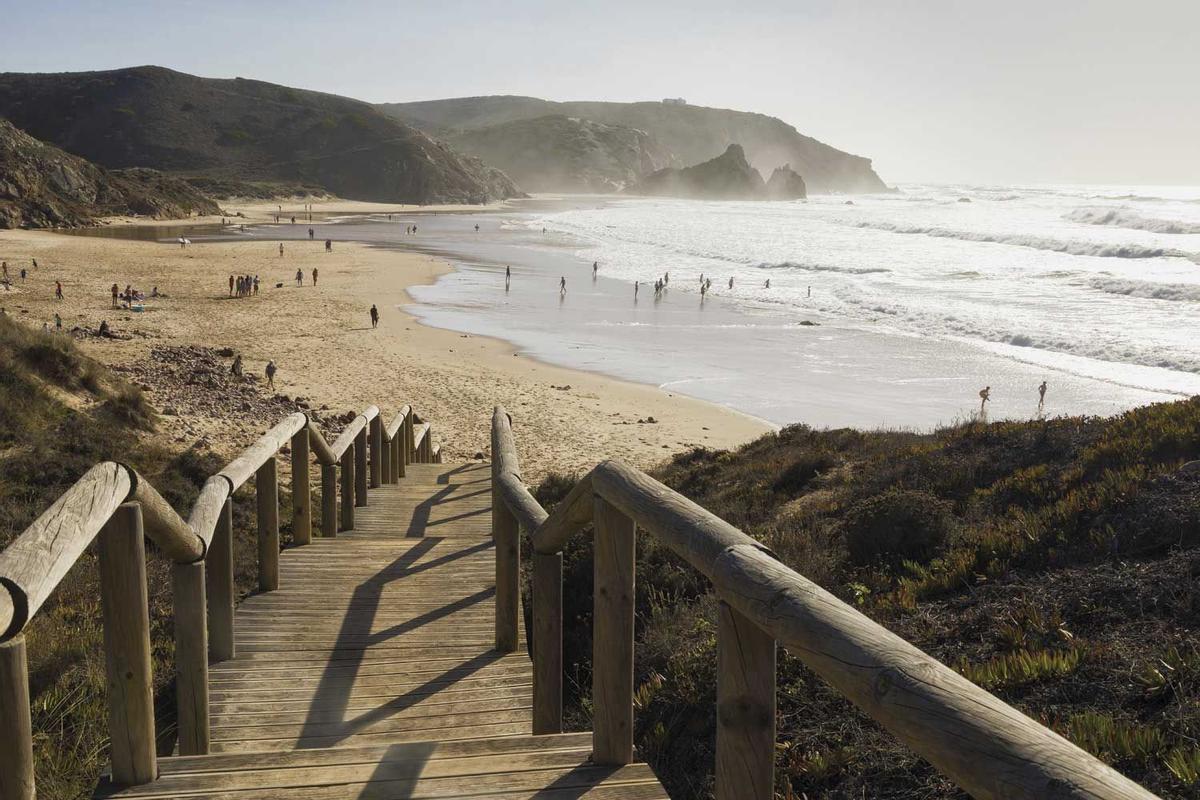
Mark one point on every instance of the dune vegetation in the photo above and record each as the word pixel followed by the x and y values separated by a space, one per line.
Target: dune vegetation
pixel 1053 562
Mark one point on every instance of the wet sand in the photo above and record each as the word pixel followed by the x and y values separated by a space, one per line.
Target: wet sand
pixel 322 341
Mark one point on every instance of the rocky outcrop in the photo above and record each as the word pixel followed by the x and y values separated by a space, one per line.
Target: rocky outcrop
pixel 41 186
pixel 244 130
pixel 690 134
pixel 557 153
pixel 726 177
pixel 786 184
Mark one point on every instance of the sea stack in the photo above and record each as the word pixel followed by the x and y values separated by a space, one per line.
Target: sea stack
pixel 786 184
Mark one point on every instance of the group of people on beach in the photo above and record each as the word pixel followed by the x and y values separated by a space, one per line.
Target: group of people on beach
pixel 6 279
pixel 243 285
pixel 131 296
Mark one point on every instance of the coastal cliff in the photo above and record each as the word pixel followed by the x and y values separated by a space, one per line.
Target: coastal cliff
pixel 41 186
pixel 786 184
pixel 690 134
pixel 557 153
pixel 243 130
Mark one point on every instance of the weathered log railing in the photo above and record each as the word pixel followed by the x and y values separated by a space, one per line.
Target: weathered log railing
pixel 985 746
pixel 114 506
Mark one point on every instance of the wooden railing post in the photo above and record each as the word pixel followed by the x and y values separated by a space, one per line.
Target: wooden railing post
pixel 612 635
pixel 348 483
pixel 547 643
pixel 266 484
pixel 376 430
pixel 218 573
pixel 407 445
pixel 301 490
pixel 360 468
pixel 398 455
pixel 505 537
pixel 385 464
pixel 745 768
pixel 328 500
pixel 124 602
pixel 16 724
pixel 191 658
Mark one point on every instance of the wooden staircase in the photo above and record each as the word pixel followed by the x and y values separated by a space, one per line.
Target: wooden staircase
pixel 371 671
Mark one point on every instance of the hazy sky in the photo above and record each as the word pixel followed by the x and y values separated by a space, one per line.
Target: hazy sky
pixel 1106 91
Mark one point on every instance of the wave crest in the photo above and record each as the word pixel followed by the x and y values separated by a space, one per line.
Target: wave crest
pixel 1099 249
pixel 1176 292
pixel 1124 218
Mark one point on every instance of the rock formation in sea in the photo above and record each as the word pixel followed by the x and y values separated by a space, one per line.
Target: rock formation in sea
pixel 727 177
pixel 785 184
pixel 41 186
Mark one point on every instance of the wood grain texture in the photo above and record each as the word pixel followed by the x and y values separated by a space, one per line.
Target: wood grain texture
pixel 568 518
pixel 266 487
pixel 547 644
pixel 220 589
pixel 348 462
pixel 164 527
pixel 375 432
pixel 301 489
pixel 745 760
pixel 612 635
pixel 37 560
pixel 360 468
pixel 16 725
pixel 130 684
pixel 346 438
pixel 253 457
pixel 329 509
pixel 320 448
pixel 208 507
pixel 191 657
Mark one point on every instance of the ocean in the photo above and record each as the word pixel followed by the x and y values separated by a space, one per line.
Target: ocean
pixel 891 310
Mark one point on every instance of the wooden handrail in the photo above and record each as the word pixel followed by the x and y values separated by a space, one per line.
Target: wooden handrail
pixel 985 746
pixel 112 503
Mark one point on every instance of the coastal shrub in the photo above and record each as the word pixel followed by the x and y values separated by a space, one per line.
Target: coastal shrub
pixel 130 407
pixel 898 525
pixel 1023 667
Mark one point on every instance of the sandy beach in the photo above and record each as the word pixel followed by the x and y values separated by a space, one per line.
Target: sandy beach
pixel 322 341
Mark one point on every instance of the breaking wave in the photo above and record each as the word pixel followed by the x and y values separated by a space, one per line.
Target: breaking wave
pixel 1124 218
pixel 822 268
pixel 1177 292
pixel 1099 249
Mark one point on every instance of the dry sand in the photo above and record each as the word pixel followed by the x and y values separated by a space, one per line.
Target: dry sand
pixel 322 341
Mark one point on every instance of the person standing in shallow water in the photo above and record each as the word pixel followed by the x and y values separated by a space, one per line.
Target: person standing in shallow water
pixel 507 277
pixel 374 316
pixel 562 285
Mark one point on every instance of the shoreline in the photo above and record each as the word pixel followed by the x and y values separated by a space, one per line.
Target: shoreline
pixel 565 419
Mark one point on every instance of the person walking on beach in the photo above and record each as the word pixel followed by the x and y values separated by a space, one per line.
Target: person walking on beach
pixel 767 285
pixel 595 269
pixel 270 374
pixel 636 285
pixel 810 291
pixel 236 368
pixel 231 286
pixel 985 394
pixel 730 281
pixel 1041 398
pixel 115 291
pixel 299 277
pixel 255 283
pixel 562 286
pixel 329 245
pixel 58 292
pixel 507 277
pixel 374 316
pixel 310 234
pixel 666 279
pixel 314 276
pixel 57 322
pixel 281 249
